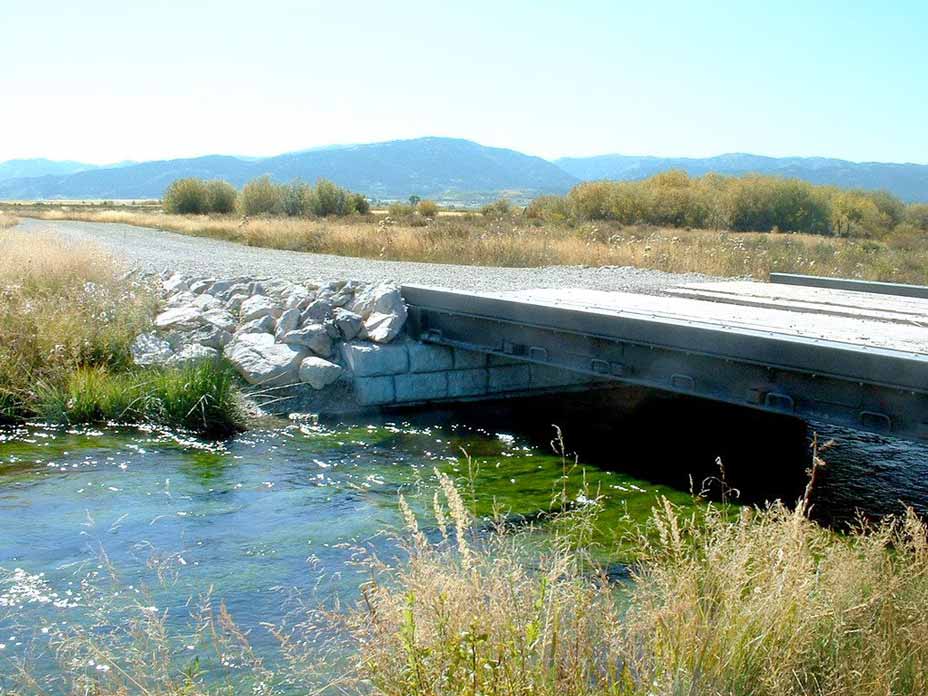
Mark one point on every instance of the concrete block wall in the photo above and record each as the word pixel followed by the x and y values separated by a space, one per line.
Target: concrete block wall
pixel 408 372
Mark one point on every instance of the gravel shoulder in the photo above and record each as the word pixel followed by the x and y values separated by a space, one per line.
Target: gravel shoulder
pixel 155 250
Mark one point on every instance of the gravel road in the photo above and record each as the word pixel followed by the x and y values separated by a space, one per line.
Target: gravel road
pixel 156 250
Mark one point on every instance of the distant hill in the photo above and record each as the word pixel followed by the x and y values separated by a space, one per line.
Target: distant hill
pixel 21 168
pixel 907 181
pixel 443 168
pixel 447 169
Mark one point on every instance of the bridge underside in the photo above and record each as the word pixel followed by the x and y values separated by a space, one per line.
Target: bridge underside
pixel 844 357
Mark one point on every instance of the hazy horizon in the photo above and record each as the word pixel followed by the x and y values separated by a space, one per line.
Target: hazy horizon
pixel 103 82
pixel 551 159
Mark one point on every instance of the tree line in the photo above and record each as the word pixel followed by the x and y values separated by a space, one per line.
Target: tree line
pixel 751 203
pixel 261 196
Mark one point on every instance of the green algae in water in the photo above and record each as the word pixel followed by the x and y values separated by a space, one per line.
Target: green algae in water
pixel 259 516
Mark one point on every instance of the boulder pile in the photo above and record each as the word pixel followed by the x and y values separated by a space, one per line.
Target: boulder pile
pixel 274 332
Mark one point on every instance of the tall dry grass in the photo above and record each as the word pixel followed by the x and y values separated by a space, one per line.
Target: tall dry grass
pixel 770 605
pixel 69 313
pixel 512 240
pixel 62 306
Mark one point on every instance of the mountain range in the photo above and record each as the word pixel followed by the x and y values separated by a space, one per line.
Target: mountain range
pixel 450 170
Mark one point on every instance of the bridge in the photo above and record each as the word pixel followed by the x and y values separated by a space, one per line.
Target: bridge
pixel 846 352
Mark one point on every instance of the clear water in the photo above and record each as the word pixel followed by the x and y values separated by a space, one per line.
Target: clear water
pixel 255 518
pixel 281 512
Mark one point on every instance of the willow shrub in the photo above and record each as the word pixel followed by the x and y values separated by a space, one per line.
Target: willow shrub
pixel 186 197
pixel 192 196
pixel 221 197
pixel 262 196
pixel 749 203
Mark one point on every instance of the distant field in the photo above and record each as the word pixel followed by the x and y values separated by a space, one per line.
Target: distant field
pixel 512 240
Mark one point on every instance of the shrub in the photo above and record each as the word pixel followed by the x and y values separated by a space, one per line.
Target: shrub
pixel 499 208
pixel 747 204
pixel 917 214
pixel 358 203
pixel 221 197
pixel 296 199
pixel 427 208
pixel 261 196
pixel 328 199
pixel 400 210
pixel 907 237
pixel 186 197
pixel 554 209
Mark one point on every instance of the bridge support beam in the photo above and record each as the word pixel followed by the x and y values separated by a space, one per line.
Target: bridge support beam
pixel 875 390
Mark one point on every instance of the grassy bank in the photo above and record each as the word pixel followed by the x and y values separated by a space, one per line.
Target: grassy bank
pixel 516 240
pixel 765 603
pixel 68 317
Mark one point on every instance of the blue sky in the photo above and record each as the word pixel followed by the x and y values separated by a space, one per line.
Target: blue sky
pixel 102 80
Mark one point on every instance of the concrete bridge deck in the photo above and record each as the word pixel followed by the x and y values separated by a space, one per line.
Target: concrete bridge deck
pixel 848 357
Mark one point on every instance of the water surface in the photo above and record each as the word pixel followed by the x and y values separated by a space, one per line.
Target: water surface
pixel 254 519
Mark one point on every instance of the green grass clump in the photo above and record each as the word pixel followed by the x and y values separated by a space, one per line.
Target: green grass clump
pixel 201 397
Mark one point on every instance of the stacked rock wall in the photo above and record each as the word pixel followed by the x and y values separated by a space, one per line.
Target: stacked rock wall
pixel 336 347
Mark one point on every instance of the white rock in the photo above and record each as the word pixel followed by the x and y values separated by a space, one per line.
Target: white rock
pixel 193 353
pixel 198 287
pixel 379 299
pixel 312 336
pixel 206 335
pixel 265 324
pixel 179 318
pixel 234 303
pixel 383 328
pixel 262 361
pixel 348 323
pixel 289 320
pixel 299 298
pixel 220 288
pixel 180 299
pixel 319 373
pixel 258 306
pixel 317 311
pixel 342 297
pixel 239 288
pixel 175 283
pixel 220 318
pixel 150 349
pixel 206 302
